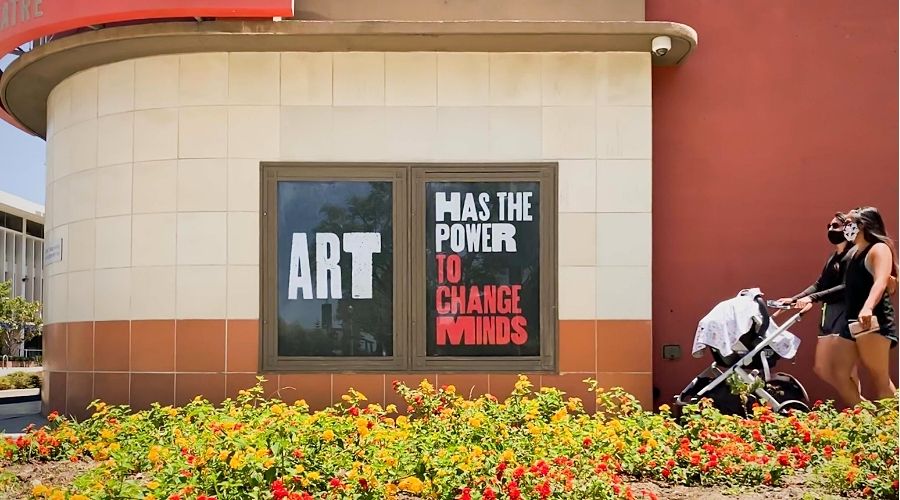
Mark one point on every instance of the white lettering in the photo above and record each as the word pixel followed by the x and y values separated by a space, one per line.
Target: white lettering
pixel 493 238
pixel 361 246
pixel 37 8
pixel 328 255
pixel 485 212
pixel 443 206
pixel 300 277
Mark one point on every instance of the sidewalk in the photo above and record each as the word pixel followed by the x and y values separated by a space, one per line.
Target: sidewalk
pixel 17 416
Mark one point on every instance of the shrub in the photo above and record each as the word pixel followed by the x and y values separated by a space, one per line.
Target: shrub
pixel 20 380
pixel 534 445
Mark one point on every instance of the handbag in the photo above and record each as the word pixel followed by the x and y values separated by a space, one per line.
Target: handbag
pixel 857 329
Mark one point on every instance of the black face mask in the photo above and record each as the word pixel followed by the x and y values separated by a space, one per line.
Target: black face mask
pixel 836 237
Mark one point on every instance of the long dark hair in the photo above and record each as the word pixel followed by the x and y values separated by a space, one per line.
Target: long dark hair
pixel 870 223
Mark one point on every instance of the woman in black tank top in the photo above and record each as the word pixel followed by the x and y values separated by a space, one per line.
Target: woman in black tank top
pixel 868 272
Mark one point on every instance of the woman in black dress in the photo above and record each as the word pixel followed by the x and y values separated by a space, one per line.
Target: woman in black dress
pixel 871 320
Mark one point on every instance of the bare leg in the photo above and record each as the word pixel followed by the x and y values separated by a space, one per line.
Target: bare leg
pixel 839 358
pixel 874 351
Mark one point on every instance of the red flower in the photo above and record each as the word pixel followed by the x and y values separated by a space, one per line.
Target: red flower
pixel 363 484
pixel 829 451
pixel 666 473
pixel 488 494
pixel 298 454
pixel 336 483
pixel 513 490
pixel 518 472
pixel 670 463
pixel 465 494
pixel 353 411
pixel 543 489
pixel 587 442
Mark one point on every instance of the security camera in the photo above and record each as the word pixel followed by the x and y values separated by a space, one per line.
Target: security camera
pixel 661 45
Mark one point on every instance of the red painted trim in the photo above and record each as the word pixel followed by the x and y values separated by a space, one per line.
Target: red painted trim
pixel 24 20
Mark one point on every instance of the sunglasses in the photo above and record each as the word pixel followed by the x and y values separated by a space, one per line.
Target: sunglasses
pixel 835 225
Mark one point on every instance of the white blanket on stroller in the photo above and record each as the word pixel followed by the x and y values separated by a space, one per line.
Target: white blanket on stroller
pixel 722 328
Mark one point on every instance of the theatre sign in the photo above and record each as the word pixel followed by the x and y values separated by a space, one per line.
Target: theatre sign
pixel 22 21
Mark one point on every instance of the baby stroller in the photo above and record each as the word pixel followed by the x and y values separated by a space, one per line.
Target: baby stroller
pixel 745 344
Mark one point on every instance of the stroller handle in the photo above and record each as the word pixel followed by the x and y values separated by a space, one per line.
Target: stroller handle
pixel 781 308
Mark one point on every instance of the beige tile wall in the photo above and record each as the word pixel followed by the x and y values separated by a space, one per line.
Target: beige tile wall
pixel 153 164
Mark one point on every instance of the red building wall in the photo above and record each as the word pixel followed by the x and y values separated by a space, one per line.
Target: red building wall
pixel 785 112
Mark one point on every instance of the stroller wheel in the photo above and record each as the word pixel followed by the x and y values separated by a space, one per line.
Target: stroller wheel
pixel 790 406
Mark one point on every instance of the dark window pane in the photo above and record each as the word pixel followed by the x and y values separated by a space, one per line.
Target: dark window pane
pixel 335 268
pixel 482 243
pixel 35 229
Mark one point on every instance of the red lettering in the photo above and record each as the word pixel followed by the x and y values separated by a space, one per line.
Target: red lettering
pixel 474 302
pixel 440 296
pixel 457 300
pixel 440 258
pixel 454 268
pixel 515 308
pixel 486 330
pixel 456 330
pixel 519 335
pixel 502 330
pixel 503 299
pixel 490 299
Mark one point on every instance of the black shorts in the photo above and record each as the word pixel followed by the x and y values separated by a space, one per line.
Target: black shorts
pixel 889 334
pixel 834 319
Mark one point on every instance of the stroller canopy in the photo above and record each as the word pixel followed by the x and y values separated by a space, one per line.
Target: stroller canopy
pixel 722 327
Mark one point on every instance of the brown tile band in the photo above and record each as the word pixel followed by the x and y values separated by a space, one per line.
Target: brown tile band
pixel 172 361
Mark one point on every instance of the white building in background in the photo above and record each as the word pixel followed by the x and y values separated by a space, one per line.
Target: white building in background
pixel 22 252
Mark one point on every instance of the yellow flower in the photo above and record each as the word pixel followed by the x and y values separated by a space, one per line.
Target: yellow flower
pixel 237 461
pixel 277 409
pixel 152 485
pixel 328 435
pixel 426 386
pixel 358 395
pixel 223 455
pixel 559 415
pixel 507 456
pixel 474 422
pixel 411 484
pixel 107 434
pixel 313 476
pixel 153 454
pixel 150 497
pixel 40 490
pixel 362 426
pixel 391 408
pixel 645 434
pixel 57 495
pixel 402 421
pixel 300 402
pixel 664 408
pixel 268 463
pixel 451 389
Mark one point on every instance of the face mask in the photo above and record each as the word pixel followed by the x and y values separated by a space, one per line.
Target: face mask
pixel 836 237
pixel 850 231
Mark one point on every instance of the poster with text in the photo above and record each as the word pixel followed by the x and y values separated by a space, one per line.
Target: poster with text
pixel 482 268
pixel 335 268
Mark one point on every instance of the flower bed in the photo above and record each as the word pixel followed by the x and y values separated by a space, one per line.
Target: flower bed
pixel 530 446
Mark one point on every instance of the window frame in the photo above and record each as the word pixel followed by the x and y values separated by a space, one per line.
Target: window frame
pixel 546 175
pixel 409 242
pixel 270 174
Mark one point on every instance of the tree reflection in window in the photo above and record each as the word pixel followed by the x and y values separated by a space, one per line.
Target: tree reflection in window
pixel 330 326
